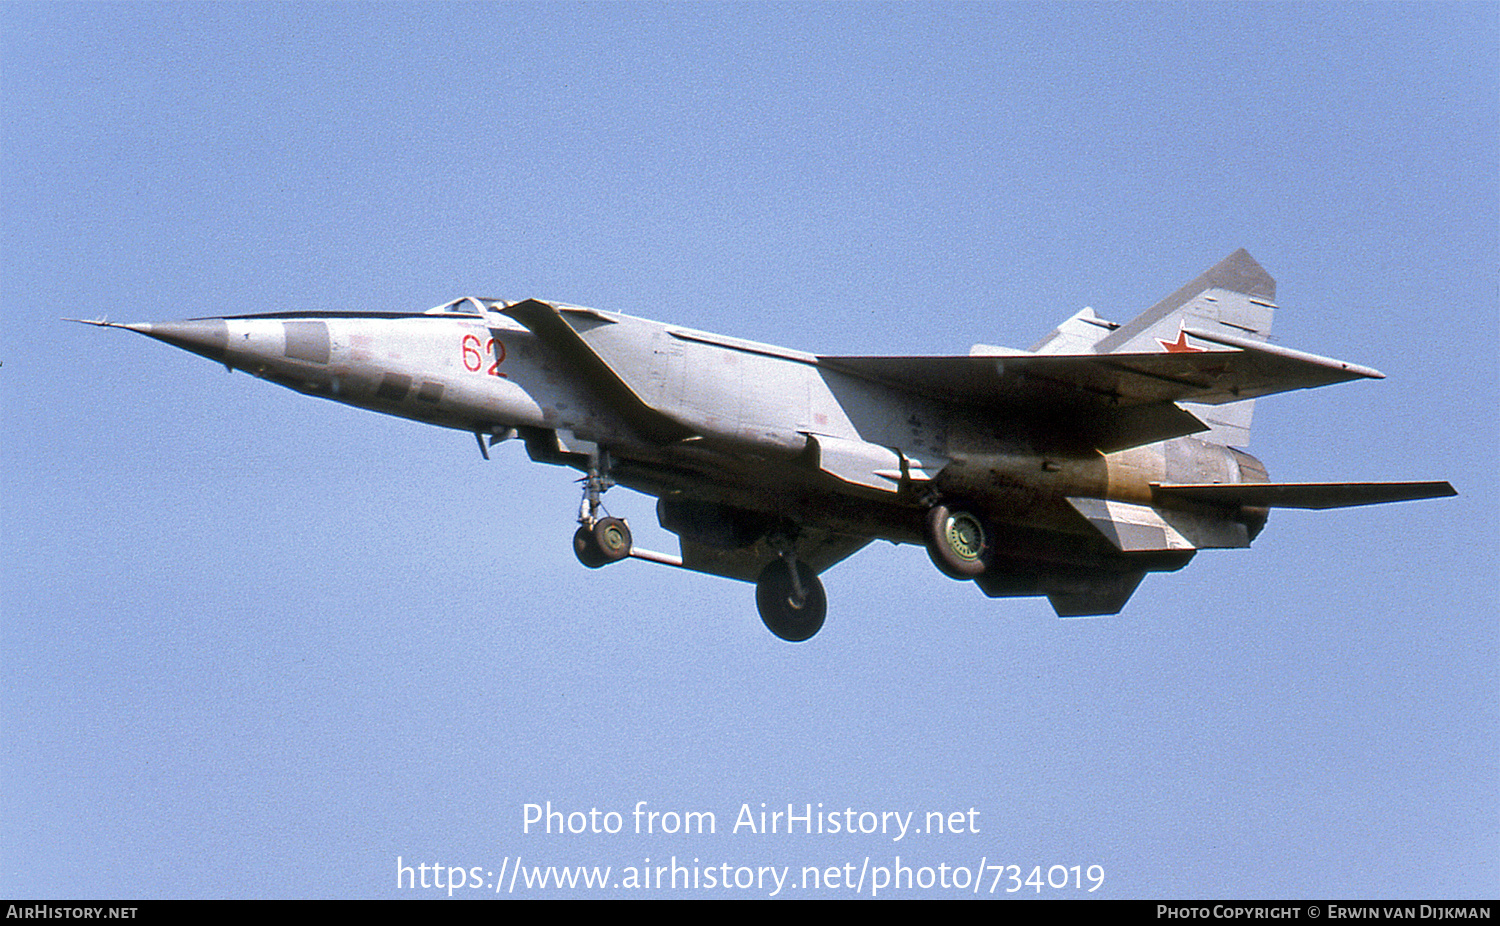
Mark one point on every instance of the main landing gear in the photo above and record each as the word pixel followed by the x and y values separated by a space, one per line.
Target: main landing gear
pixel 957 540
pixel 791 599
pixel 788 594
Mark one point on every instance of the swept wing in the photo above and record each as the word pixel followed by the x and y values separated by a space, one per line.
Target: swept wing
pixel 1114 401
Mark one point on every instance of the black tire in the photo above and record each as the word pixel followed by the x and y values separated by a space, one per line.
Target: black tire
pixel 586 549
pixel 791 620
pixel 608 541
pixel 612 538
pixel 957 540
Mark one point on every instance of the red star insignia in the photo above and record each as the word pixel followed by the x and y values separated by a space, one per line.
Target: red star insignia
pixel 1180 346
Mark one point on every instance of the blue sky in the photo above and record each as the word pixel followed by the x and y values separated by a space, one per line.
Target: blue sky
pixel 257 645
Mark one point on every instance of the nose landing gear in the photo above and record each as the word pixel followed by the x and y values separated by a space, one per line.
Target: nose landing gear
pixel 788 593
pixel 599 541
pixel 606 541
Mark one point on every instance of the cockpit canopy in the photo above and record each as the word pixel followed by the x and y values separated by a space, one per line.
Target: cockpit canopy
pixel 468 305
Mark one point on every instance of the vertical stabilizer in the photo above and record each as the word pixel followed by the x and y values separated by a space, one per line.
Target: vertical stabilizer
pixel 1077 335
pixel 1235 297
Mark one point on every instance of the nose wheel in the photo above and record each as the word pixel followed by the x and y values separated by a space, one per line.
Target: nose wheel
pixel 599 541
pixel 607 541
pixel 788 594
pixel 791 599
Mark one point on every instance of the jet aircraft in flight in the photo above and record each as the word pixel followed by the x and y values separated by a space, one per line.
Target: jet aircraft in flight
pixel 1070 470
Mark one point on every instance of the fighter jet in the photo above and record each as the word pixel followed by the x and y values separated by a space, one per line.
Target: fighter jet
pixel 1070 470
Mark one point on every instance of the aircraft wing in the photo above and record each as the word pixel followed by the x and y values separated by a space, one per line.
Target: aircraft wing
pixel 1113 401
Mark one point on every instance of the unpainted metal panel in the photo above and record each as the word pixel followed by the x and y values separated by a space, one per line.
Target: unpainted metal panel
pixel 307 341
pixel 1135 528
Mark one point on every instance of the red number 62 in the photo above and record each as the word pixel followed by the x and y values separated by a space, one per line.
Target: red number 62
pixel 474 357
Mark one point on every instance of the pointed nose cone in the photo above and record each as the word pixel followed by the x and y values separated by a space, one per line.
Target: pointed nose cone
pixel 206 337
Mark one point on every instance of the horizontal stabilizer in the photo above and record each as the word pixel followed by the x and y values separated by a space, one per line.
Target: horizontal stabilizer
pixel 1133 528
pixel 1304 494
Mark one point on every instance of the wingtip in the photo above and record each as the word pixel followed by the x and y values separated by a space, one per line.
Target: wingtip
pixel 1229 340
pixel 1364 371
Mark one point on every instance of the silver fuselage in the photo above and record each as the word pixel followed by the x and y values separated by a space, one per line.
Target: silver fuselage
pixel 773 431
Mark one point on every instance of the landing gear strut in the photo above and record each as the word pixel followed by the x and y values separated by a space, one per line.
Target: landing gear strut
pixel 788 594
pixel 599 541
pixel 791 599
